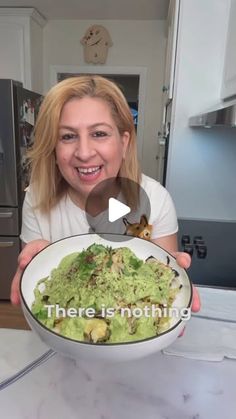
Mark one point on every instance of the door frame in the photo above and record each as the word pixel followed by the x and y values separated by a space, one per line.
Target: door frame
pixel 119 70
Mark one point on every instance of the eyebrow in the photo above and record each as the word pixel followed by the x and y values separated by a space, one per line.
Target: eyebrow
pixel 97 124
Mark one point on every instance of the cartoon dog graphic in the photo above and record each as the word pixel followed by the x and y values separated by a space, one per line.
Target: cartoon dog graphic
pixel 141 229
pixel 96 42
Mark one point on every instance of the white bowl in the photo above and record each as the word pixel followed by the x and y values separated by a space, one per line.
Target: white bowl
pixel 49 258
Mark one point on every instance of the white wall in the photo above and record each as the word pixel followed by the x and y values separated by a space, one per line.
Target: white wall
pixel 201 172
pixel 135 43
pixel 36 57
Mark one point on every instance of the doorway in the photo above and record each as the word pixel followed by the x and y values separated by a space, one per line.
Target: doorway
pixel 129 85
pixel 131 80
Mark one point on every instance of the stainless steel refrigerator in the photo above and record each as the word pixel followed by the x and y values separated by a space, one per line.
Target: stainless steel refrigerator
pixel 18 111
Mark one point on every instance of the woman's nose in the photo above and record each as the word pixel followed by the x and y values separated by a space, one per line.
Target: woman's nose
pixel 84 149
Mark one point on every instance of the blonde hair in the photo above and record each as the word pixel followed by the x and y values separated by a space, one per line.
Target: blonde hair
pixel 45 176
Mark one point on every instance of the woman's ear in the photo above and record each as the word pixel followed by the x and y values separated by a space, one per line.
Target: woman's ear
pixel 55 156
pixel 125 142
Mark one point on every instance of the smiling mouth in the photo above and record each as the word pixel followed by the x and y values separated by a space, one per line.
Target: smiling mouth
pixel 89 170
pixel 89 174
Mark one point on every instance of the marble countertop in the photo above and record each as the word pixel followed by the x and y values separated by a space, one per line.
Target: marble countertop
pixel 157 387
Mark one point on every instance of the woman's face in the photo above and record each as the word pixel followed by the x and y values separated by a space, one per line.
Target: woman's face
pixel 90 148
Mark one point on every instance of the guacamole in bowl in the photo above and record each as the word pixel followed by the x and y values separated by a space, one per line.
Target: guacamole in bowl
pixel 106 295
pixel 91 297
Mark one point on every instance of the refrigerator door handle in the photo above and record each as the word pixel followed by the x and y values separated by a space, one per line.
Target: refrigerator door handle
pixel 6 244
pixel 6 214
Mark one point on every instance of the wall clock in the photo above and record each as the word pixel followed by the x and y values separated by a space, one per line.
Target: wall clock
pixel 96 42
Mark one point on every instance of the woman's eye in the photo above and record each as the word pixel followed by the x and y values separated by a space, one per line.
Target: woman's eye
pixel 68 136
pixel 98 134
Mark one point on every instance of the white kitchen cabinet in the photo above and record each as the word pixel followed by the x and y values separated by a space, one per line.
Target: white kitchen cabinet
pixel 201 163
pixel 168 86
pixel 172 32
pixel 229 78
pixel 21 46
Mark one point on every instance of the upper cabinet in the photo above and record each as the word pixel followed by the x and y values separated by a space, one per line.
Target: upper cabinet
pixel 21 46
pixel 229 78
pixel 172 31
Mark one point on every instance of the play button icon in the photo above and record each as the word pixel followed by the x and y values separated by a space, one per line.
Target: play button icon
pixel 117 209
pixel 110 208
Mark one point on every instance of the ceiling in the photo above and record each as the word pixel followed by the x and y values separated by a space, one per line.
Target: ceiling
pixel 95 9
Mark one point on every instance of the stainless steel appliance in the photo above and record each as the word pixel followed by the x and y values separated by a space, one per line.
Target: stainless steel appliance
pixel 222 115
pixel 18 111
pixel 211 245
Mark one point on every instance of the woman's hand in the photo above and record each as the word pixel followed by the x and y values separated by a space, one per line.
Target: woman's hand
pixel 28 252
pixel 184 260
pixel 169 243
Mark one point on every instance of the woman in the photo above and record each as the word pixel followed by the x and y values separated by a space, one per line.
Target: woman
pixel 85 135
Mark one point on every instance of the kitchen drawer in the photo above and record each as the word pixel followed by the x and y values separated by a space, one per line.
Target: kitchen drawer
pixel 9 221
pixel 9 251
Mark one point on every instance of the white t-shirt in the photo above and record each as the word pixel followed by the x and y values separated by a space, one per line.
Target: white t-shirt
pixel 67 219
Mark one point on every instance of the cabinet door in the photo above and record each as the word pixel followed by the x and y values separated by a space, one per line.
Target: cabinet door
pixel 172 31
pixel 12 51
pixel 229 78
